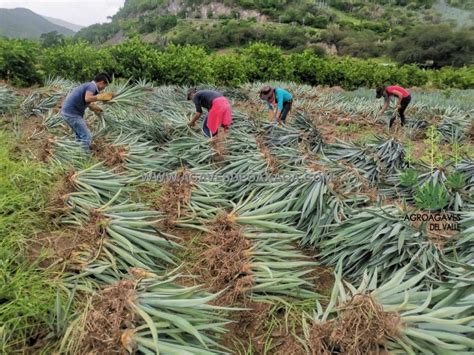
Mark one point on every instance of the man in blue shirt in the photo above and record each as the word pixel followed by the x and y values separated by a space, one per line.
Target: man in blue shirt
pixel 279 103
pixel 76 103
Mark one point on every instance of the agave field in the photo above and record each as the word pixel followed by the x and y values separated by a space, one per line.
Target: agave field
pixel 328 235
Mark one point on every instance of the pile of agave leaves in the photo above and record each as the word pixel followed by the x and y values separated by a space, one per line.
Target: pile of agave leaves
pixel 396 288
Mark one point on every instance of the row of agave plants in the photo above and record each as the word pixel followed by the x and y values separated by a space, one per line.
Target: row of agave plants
pixel 348 208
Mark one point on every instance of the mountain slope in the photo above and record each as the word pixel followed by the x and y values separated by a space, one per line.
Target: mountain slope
pixel 24 23
pixel 71 26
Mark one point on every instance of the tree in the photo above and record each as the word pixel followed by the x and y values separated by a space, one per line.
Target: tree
pixel 18 62
pixel 51 39
pixel 76 61
pixel 437 43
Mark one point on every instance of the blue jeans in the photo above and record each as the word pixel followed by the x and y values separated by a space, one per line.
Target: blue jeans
pixel 207 132
pixel 286 110
pixel 79 126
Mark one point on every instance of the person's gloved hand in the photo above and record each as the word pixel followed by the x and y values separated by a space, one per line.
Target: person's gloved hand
pixel 95 108
pixel 106 96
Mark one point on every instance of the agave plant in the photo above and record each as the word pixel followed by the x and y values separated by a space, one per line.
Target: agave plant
pixel 8 99
pixel 398 315
pixel 46 98
pixel 277 268
pixel 126 95
pixel 454 129
pixel 363 159
pixel 380 238
pixel 151 314
pixel 127 234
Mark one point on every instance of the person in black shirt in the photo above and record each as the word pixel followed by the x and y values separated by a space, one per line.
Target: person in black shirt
pixel 219 110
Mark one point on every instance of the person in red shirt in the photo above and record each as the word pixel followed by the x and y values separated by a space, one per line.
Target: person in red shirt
pixel 403 99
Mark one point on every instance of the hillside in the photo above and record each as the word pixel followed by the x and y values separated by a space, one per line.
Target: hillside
pixel 24 23
pixel 71 26
pixel 364 29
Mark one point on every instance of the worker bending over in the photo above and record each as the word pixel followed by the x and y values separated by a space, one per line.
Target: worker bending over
pixel 403 97
pixel 219 110
pixel 78 100
pixel 279 103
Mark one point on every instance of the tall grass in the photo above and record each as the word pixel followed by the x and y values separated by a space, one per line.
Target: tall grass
pixel 27 294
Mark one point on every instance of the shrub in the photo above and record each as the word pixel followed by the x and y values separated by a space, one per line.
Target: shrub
pixel 309 68
pixel 269 63
pixel 185 65
pixel 135 59
pixel 18 62
pixel 76 61
pixel 230 69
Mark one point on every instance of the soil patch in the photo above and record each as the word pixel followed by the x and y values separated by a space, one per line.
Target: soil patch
pixel 59 194
pixel 109 321
pixel 64 247
pixel 113 156
pixel 290 346
pixel 34 140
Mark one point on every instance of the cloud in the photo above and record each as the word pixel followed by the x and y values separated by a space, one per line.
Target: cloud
pixel 81 12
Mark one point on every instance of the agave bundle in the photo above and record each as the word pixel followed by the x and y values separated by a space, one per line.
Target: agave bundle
pixel 363 158
pixel 398 316
pixel 276 267
pixel 391 156
pixel 463 249
pixel 380 238
pixel 308 200
pixel 309 132
pixel 65 151
pixel 171 102
pixel 454 129
pixel 193 152
pixel 466 167
pixel 126 95
pixel 126 234
pixel 126 151
pixel 148 314
pixel 8 99
pixel 52 120
pixel 60 84
pixel 414 126
pixel 105 184
pixel 149 125
pixel 45 98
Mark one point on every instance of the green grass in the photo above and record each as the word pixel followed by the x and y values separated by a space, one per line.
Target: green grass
pixel 27 293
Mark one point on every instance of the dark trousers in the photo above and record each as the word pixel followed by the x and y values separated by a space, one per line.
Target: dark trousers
pixel 286 110
pixel 401 111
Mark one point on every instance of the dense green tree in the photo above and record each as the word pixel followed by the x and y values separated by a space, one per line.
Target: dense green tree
pixel 76 61
pixel 51 39
pixel 135 59
pixel 270 64
pixel 230 69
pixel 435 43
pixel 18 62
pixel 185 65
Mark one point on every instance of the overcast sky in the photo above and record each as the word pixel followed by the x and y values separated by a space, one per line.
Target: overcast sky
pixel 80 12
